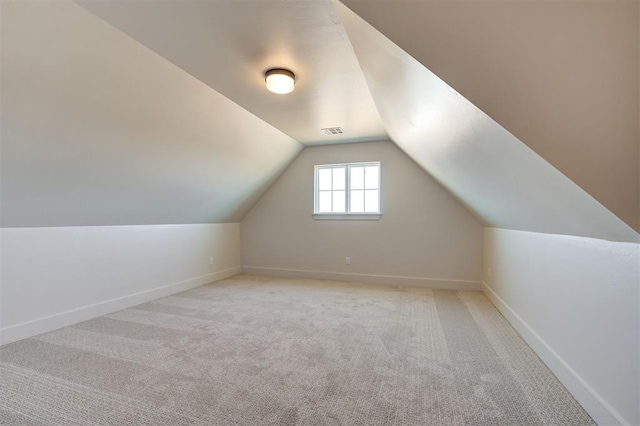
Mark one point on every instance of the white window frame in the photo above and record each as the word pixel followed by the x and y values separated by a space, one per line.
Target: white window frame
pixel 346 215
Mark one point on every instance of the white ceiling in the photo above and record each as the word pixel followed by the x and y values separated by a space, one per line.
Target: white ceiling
pixel 561 75
pixel 498 177
pixel 171 122
pixel 99 130
pixel 229 44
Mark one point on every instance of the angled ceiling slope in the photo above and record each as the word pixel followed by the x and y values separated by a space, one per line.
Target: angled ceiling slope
pixel 561 75
pixel 230 44
pixel 499 178
pixel 99 130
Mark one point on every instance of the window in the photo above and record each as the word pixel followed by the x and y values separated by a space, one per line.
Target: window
pixel 347 189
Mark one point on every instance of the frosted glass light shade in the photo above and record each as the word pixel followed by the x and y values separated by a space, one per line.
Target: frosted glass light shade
pixel 279 81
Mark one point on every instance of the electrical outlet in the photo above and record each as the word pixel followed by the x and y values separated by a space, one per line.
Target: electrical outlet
pixel 211 261
pixel 347 261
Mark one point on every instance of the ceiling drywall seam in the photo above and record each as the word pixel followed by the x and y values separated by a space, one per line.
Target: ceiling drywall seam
pixel 496 175
pixel 103 131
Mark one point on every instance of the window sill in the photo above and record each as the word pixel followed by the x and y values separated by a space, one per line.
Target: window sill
pixel 346 216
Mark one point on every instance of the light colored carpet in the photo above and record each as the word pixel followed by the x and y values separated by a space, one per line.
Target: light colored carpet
pixel 253 350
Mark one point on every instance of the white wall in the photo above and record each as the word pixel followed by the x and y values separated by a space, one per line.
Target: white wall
pixel 53 277
pixel 424 237
pixel 576 302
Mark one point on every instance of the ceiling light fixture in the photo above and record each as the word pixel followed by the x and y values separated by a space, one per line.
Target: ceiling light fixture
pixel 279 80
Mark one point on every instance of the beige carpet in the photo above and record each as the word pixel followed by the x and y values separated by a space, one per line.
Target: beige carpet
pixel 253 350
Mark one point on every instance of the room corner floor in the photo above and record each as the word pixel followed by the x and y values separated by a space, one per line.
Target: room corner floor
pixel 253 350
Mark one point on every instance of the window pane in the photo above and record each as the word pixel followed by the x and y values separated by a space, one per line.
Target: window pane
pixel 339 178
pixel 338 202
pixel 324 202
pixel 371 177
pixel 324 179
pixel 356 203
pixel 357 177
pixel 371 201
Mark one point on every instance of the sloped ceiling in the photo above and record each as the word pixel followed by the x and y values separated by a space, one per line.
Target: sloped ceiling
pixel 230 44
pixel 561 75
pixel 499 178
pixel 99 130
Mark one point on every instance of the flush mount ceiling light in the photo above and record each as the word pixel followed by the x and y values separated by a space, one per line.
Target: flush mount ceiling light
pixel 279 80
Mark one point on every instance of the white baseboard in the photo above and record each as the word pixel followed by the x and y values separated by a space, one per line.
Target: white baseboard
pixel 439 283
pixel 63 319
pixel 591 401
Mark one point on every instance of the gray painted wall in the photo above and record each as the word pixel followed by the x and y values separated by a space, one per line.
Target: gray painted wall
pixel 423 233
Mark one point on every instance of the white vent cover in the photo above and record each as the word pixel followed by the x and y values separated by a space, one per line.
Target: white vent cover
pixel 333 130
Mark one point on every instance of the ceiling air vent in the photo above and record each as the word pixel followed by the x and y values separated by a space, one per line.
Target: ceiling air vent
pixel 332 130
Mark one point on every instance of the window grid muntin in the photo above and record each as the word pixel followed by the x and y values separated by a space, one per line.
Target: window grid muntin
pixel 347 191
pixel 330 191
